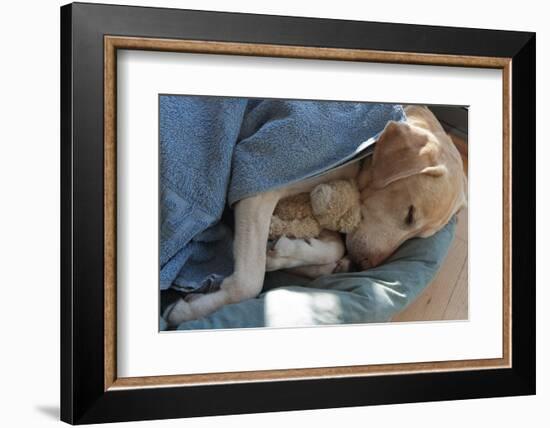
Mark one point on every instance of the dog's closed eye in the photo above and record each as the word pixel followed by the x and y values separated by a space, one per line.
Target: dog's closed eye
pixel 409 220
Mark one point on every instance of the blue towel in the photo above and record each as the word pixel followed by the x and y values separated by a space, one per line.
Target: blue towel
pixel 216 151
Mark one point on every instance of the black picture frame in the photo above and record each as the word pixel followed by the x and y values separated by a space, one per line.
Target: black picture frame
pixel 83 396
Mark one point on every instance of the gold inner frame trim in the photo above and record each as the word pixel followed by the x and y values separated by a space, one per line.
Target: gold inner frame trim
pixel 113 43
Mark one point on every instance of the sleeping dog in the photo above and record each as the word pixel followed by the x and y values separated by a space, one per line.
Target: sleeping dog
pixel 410 187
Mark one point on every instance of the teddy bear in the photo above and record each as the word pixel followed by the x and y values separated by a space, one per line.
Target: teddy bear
pixel 334 206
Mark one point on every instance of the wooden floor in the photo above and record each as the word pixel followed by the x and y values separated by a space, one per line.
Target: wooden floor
pixel 446 298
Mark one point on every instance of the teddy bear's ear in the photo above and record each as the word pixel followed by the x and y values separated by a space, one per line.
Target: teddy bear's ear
pixel 321 199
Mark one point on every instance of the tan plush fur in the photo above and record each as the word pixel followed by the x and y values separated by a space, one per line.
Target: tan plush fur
pixel 334 206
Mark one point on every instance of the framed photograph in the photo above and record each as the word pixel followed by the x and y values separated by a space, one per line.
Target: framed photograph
pixel 266 213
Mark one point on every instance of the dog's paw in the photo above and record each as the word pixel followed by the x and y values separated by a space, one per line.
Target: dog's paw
pixel 180 312
pixel 273 262
pixel 279 255
pixel 284 247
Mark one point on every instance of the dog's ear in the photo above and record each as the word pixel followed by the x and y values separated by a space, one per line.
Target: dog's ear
pixel 402 151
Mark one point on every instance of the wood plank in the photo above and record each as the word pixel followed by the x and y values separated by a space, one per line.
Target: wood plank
pixel 462 226
pixel 434 300
pixel 462 147
pixel 461 231
pixel 457 308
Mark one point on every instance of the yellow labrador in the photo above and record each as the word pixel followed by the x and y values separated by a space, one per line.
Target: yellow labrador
pixel 411 186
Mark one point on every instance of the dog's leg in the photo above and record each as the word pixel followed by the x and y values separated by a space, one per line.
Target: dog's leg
pixel 316 271
pixel 289 253
pixel 252 218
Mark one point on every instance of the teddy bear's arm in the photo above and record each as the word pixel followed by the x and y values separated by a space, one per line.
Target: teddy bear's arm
pixel 303 228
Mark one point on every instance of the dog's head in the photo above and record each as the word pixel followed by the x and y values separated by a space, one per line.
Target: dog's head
pixel 410 187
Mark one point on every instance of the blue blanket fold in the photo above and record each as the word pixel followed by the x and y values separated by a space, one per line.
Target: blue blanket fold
pixel 216 151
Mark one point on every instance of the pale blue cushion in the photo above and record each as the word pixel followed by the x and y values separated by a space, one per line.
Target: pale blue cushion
pixel 375 295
